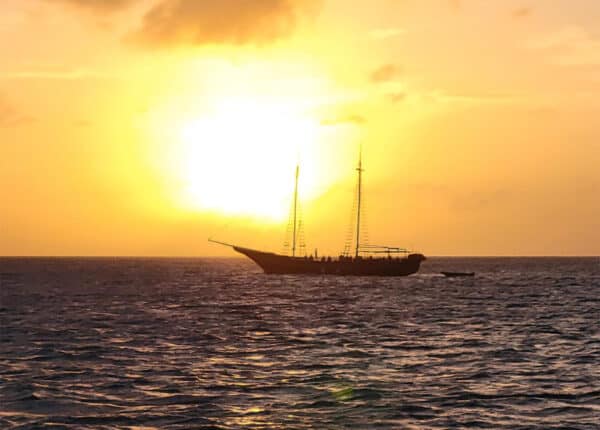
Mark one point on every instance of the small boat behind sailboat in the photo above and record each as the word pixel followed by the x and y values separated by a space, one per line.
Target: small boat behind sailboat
pixel 457 274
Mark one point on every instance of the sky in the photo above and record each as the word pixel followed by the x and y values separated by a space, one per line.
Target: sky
pixel 144 127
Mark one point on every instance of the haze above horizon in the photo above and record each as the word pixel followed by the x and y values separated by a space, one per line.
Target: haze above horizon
pixel 142 127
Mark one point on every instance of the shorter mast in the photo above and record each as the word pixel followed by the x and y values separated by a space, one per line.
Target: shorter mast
pixel 295 210
pixel 359 170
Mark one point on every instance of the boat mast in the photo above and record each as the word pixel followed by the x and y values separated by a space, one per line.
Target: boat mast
pixel 295 210
pixel 359 169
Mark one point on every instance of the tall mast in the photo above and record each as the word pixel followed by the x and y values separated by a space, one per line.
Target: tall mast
pixel 295 210
pixel 359 170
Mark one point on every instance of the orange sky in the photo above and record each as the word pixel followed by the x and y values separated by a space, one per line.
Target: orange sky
pixel 134 127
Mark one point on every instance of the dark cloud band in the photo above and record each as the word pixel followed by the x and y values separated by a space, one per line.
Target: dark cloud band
pixel 201 22
pixel 238 22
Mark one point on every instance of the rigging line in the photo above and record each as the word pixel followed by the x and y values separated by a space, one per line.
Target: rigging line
pixel 295 210
pixel 302 243
pixel 223 225
pixel 350 230
pixel 287 236
pixel 364 221
pixel 359 170
pixel 301 231
pixel 295 244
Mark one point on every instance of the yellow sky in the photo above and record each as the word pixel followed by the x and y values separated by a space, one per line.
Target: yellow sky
pixel 134 127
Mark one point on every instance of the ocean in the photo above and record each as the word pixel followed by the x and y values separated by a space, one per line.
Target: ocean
pixel 116 343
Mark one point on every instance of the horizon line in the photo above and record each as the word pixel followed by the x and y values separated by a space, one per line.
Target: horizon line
pixel 241 257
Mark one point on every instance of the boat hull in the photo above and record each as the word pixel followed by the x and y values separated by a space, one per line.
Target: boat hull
pixel 272 263
pixel 458 274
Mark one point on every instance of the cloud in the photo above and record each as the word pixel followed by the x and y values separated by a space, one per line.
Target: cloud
pixel 384 73
pixel 10 117
pixel 6 113
pixel 470 99
pixel 569 46
pixel 104 6
pixel 386 33
pixel 42 74
pixel 82 123
pixel 397 97
pixel 461 200
pixel 349 119
pixel 455 5
pixel 522 12
pixel 237 22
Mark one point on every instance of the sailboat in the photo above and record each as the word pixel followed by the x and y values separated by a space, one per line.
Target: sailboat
pixel 368 260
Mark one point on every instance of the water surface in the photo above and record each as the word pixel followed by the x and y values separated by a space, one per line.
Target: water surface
pixel 215 344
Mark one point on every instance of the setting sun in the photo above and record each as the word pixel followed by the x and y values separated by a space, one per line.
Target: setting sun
pixel 228 145
pixel 239 159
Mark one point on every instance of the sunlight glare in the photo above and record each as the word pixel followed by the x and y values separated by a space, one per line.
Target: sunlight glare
pixel 239 159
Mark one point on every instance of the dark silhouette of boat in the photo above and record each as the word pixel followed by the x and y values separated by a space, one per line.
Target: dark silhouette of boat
pixel 366 261
pixel 457 274
pixel 272 263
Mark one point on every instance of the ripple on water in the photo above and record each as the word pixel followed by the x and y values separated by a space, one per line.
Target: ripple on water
pixel 191 343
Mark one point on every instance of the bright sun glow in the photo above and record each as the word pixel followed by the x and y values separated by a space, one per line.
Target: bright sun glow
pixel 240 158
